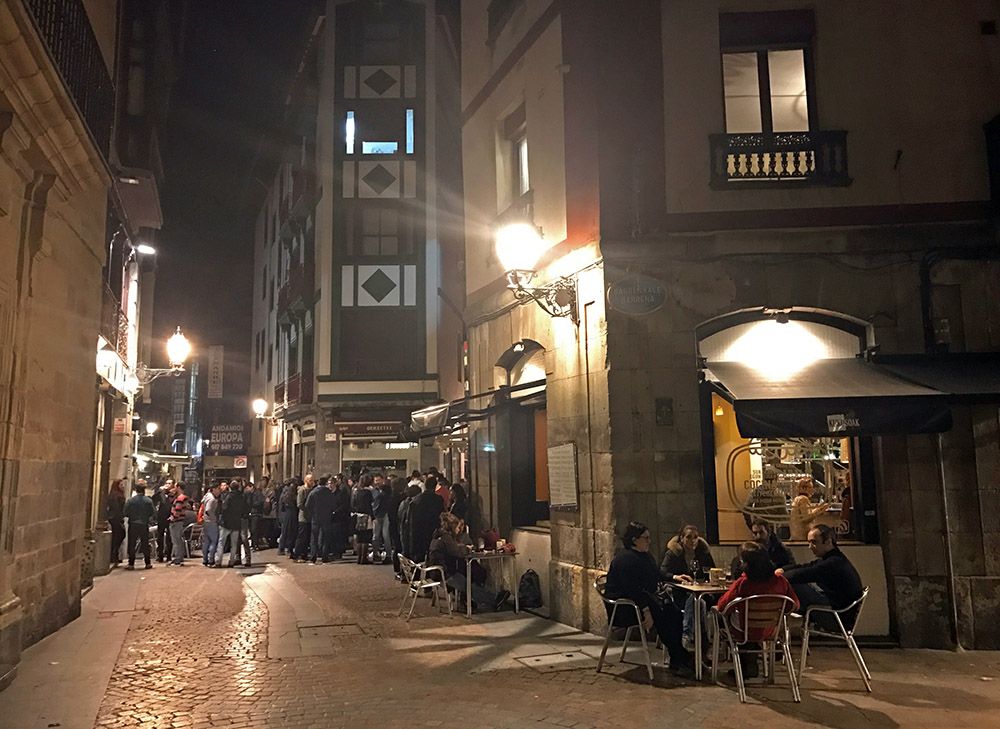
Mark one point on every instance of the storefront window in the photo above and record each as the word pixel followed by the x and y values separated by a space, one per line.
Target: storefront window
pixel 791 482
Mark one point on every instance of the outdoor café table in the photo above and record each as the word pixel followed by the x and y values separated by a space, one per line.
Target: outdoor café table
pixel 698 590
pixel 478 556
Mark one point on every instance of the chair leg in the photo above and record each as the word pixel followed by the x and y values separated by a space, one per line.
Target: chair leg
pixel 738 670
pixel 805 648
pixel 413 604
pixel 862 668
pixel 402 605
pixel 628 637
pixel 645 649
pixel 604 650
pixel 715 656
pixel 792 678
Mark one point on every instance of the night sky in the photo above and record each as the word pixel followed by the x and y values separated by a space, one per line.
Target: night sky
pixel 236 65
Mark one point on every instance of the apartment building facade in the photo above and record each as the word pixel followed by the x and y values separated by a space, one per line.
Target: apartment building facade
pixel 767 251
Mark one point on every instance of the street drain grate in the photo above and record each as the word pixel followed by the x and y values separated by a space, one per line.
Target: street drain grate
pixel 552 662
pixel 330 631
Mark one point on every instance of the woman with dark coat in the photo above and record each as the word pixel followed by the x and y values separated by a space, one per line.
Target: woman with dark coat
pixel 361 508
pixel 459 501
pixel 398 487
pixel 633 575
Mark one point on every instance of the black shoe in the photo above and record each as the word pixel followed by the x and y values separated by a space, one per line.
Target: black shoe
pixel 751 669
pixel 148 566
pixel 130 567
pixel 501 600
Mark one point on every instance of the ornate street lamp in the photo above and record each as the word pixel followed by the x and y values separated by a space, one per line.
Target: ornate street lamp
pixel 178 350
pixel 519 247
pixel 260 407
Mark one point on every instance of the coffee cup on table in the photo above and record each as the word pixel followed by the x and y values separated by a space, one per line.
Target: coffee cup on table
pixel 716 575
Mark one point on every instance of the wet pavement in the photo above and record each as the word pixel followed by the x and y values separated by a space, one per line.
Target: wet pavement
pixel 296 645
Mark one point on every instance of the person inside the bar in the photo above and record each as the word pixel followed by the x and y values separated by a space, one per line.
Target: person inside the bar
pixel 830 579
pixel 804 511
pixel 633 575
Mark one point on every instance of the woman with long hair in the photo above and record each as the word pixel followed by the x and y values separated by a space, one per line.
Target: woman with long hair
pixel 361 509
pixel 116 518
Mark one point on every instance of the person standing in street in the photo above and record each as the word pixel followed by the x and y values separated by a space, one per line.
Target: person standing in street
pixel 116 520
pixel 381 534
pixel 288 515
pixel 303 538
pixel 319 505
pixel 341 518
pixel 210 525
pixel 361 509
pixel 425 512
pixel 181 515
pixel 163 501
pixel 245 525
pixel 138 511
pixel 231 517
pixel 397 488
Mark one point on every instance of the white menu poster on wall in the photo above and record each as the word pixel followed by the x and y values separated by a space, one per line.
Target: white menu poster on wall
pixel 563 493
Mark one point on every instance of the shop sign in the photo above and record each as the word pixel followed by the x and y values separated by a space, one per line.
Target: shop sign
pixel 240 462
pixel 389 428
pixel 842 422
pixel 636 295
pixel 120 426
pixel 229 439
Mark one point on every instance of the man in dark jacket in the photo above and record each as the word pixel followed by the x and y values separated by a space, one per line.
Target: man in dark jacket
pixel 341 526
pixel 319 506
pixel 830 579
pixel 163 500
pixel 403 516
pixel 138 512
pixel 777 552
pixel 234 510
pixel 425 510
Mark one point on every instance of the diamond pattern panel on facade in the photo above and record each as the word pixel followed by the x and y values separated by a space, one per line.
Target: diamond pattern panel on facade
pixel 379 179
pixel 378 285
pixel 380 82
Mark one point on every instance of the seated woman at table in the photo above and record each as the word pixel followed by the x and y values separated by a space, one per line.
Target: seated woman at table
pixel 757 578
pixel 633 575
pixel 447 551
pixel 687 554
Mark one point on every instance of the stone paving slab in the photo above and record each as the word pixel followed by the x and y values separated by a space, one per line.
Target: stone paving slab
pixel 197 653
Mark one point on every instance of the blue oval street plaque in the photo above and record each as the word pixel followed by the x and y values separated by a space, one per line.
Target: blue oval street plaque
pixel 636 294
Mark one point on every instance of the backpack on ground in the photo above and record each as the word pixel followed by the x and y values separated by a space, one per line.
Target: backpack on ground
pixel 529 590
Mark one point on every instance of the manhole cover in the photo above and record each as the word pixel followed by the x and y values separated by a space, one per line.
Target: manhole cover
pixel 551 662
pixel 330 631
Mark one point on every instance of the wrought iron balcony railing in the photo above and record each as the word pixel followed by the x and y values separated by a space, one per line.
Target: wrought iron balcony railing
pixel 788 159
pixel 66 31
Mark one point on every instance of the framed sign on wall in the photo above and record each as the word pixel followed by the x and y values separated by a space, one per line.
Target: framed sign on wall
pixel 563 485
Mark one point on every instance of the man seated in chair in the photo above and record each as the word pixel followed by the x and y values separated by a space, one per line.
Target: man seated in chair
pixel 633 575
pixel 828 580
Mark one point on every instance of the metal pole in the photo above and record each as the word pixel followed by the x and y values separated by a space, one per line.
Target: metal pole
pixel 952 592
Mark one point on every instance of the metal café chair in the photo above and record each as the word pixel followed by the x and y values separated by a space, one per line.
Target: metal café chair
pixel 192 539
pixel 845 635
pixel 627 606
pixel 417 578
pixel 757 615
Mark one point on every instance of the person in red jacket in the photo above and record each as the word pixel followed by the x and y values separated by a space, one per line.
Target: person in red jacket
pixel 758 578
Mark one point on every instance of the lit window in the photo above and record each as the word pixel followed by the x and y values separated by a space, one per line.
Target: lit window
pixel 379 147
pixel 521 182
pixel 409 131
pixel 349 133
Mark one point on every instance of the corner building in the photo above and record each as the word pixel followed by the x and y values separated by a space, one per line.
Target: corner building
pixel 349 250
pixel 776 224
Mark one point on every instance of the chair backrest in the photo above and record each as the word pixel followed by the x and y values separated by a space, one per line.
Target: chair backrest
pixel 757 614
pixel 599 585
pixel 408 567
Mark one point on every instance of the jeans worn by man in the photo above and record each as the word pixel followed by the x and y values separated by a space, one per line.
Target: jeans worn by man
pixel 230 537
pixel 177 537
pixel 244 541
pixel 381 536
pixel 209 542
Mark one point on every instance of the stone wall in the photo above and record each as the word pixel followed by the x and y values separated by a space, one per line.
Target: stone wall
pixel 53 198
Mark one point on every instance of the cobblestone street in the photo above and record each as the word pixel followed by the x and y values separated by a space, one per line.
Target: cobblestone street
pixel 286 645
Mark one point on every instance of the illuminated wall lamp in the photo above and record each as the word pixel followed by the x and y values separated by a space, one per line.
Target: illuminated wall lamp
pixel 260 407
pixel 519 246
